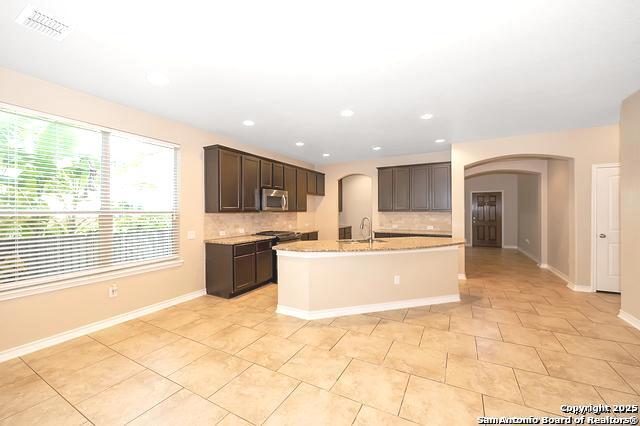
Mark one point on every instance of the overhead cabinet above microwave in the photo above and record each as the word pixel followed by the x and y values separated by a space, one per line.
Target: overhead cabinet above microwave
pixel 234 181
pixel 415 188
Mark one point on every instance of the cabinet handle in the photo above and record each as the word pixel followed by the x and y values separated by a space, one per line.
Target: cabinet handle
pixel 602 235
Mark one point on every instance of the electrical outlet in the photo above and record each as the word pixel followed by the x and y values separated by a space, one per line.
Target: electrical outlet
pixel 394 226
pixel 191 235
pixel 396 279
pixel 222 233
pixel 240 230
pixel 113 291
pixel 429 227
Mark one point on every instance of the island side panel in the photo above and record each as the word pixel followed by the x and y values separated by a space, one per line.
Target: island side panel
pixel 337 285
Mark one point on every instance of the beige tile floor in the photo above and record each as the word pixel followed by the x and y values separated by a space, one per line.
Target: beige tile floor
pixel 519 343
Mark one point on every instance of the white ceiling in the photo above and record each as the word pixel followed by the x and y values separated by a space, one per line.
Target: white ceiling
pixel 485 69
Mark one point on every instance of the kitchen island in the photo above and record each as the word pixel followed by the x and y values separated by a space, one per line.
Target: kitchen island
pixel 329 278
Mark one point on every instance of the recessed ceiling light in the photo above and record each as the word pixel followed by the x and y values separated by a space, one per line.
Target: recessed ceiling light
pixel 377 148
pixel 346 113
pixel 426 116
pixel 326 155
pixel 248 123
pixel 157 79
pixel 440 140
pixel 299 143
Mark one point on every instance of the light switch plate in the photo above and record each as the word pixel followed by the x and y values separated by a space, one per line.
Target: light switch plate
pixel 222 233
pixel 191 235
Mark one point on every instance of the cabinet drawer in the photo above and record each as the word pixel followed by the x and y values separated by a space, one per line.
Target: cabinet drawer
pixel 263 245
pixel 313 236
pixel 243 249
pixel 304 237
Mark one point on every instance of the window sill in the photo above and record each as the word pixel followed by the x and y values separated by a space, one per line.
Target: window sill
pixel 88 279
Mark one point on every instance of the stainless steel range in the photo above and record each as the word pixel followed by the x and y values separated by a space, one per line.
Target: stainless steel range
pixel 282 237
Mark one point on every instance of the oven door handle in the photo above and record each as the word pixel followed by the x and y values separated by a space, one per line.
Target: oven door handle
pixel 284 203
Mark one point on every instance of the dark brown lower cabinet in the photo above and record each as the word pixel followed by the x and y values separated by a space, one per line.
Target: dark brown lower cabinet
pixel 344 233
pixel 234 269
pixel 309 236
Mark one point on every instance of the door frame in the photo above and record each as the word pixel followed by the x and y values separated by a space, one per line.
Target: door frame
pixel 501 191
pixel 594 205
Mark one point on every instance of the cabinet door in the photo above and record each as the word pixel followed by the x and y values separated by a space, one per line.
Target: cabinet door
pixel 311 183
pixel 244 271
pixel 420 188
pixel 304 237
pixel 250 183
pixel 440 187
pixel 264 266
pixel 266 174
pixel 278 176
pixel 401 189
pixel 347 233
pixel 320 184
pixel 340 196
pixel 230 189
pixel 290 186
pixel 385 190
pixel 313 236
pixel 301 184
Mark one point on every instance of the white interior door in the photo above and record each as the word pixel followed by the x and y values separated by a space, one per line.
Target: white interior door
pixel 608 229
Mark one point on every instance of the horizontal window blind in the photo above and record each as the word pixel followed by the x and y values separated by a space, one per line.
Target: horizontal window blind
pixel 78 200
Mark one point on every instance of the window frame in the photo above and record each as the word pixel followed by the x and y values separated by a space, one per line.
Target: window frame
pixel 38 285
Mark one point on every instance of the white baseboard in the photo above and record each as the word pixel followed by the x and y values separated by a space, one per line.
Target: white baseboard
pixel 580 288
pixel 625 316
pixel 571 285
pixel 530 256
pixel 462 277
pixel 510 247
pixel 365 309
pixel 93 327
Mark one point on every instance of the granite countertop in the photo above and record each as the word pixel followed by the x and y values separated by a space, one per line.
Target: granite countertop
pixel 239 239
pixel 382 244
pixel 414 231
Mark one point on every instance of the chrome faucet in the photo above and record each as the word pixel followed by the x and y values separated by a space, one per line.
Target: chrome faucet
pixel 370 237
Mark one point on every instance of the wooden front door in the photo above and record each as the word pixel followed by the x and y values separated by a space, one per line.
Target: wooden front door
pixel 487 219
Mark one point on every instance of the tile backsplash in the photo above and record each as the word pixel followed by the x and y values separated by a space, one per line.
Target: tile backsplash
pixel 417 221
pixel 246 223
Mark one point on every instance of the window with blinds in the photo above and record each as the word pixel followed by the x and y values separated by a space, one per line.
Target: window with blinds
pixel 78 200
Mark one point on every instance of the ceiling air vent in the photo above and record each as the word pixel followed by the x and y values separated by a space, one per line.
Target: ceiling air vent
pixel 42 23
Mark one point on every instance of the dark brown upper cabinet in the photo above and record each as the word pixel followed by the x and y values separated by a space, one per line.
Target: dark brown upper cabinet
pixel 250 183
pixel 312 186
pixel 401 189
pixel 319 184
pixel 290 186
pixel 266 173
pixel 417 188
pixel 234 179
pixel 420 200
pixel 385 190
pixel 340 196
pixel 278 176
pixel 222 194
pixel 440 187
pixel 301 185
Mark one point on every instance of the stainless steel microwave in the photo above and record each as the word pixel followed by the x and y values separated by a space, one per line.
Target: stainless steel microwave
pixel 275 199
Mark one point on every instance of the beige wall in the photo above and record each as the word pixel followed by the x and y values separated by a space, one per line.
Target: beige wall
pixel 508 183
pixel 529 215
pixel 630 204
pixel 356 202
pixel 40 316
pixel 561 218
pixel 586 146
pixel 327 207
